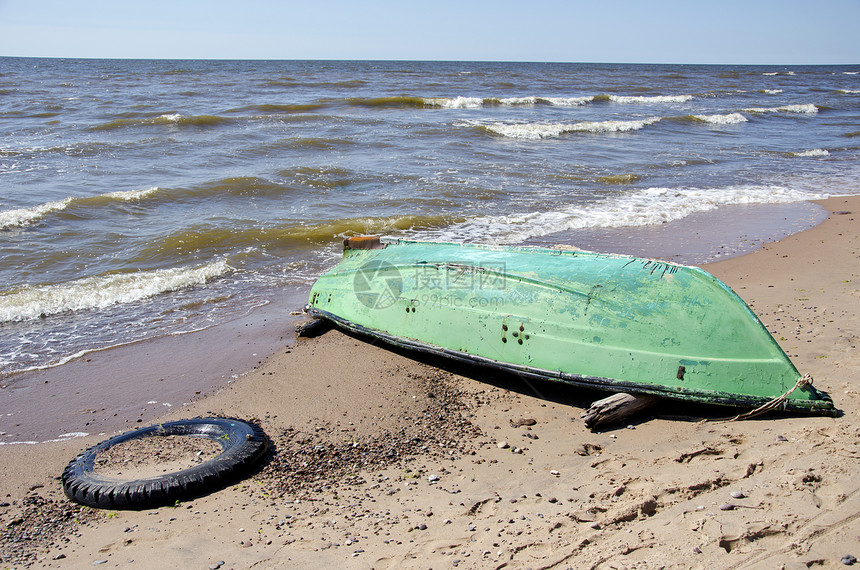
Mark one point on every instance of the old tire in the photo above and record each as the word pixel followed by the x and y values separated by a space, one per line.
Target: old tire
pixel 243 445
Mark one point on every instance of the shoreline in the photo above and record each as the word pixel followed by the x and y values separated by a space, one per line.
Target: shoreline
pixel 137 382
pixel 119 387
pixel 556 496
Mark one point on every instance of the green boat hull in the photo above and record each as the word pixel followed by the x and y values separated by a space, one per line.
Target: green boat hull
pixel 604 321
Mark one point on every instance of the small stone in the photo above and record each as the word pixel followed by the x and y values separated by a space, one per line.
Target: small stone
pixel 217 565
pixel 595 525
pixel 523 422
pixel 554 472
pixel 422 526
pixel 697 550
pixel 727 507
pixel 849 560
pixel 738 495
pixel 502 445
pixel 59 556
pixel 432 478
pixel 99 562
pixel 781 438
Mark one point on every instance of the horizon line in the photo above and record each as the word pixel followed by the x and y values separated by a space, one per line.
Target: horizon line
pixel 407 60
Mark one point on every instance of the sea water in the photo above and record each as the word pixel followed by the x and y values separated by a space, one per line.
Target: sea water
pixel 147 198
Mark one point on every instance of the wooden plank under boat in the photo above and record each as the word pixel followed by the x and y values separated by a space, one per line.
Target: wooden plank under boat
pixel 605 321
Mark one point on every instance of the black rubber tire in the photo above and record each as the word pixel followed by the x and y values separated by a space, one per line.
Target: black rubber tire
pixel 243 445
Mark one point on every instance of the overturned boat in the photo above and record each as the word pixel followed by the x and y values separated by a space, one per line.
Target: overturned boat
pixel 604 321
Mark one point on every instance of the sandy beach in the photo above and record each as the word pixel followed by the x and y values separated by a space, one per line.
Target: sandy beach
pixel 384 460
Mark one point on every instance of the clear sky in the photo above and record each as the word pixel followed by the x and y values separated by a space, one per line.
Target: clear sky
pixel 629 31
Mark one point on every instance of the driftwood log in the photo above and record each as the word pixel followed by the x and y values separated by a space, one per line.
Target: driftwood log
pixel 615 408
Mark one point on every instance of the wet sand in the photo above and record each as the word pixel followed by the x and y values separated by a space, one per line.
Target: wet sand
pixel 387 461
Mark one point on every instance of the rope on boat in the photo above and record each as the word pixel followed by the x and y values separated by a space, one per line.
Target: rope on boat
pixel 805 380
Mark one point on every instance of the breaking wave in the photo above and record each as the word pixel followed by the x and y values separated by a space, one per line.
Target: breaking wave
pixel 637 208
pixel 649 99
pixel 464 102
pixel 813 152
pixel 728 119
pixel 33 302
pixel 808 108
pixel 549 130
pixel 171 119
pixel 27 216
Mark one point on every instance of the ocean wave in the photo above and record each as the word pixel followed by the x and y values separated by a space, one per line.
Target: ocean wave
pixel 28 216
pixel 395 102
pixel 553 101
pixel 131 195
pixel 770 91
pixel 649 99
pixel 102 291
pixel 813 152
pixel 464 102
pixel 170 119
pixel 808 108
pixel 272 109
pixel 455 102
pixel 651 206
pixel 219 241
pixel 850 91
pixel 728 119
pixel 613 179
pixel 548 130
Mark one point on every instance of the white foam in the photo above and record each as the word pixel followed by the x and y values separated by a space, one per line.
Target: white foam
pixel 548 130
pixel 651 206
pixel 772 91
pixel 457 102
pixel 850 91
pixel 25 216
pixel 651 99
pixel 31 215
pixel 129 195
pixel 800 108
pixel 555 101
pixel 478 102
pixel 813 152
pixel 59 438
pixel 102 291
pixel 730 119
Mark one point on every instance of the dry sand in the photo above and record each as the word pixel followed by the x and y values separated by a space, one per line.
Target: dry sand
pixel 384 461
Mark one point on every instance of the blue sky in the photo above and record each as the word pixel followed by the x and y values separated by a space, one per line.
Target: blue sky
pixel 656 31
